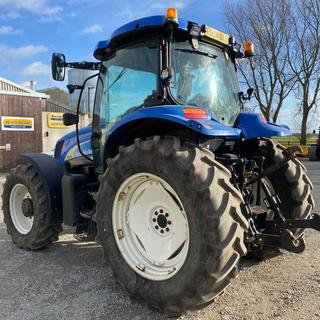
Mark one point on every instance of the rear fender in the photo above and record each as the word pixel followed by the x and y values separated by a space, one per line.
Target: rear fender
pixel 160 120
pixel 174 113
pixel 254 125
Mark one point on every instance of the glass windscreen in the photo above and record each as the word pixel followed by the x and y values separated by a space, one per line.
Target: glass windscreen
pixel 205 77
pixel 127 80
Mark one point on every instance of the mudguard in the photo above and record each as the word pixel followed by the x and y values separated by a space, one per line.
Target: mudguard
pixel 50 172
pixel 207 126
pixel 247 125
pixel 254 125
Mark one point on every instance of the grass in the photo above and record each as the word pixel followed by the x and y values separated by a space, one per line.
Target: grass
pixel 295 139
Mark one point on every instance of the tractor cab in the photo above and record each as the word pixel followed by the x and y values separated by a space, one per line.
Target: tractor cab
pixel 165 73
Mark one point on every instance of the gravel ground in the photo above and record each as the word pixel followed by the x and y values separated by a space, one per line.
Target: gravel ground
pixel 69 281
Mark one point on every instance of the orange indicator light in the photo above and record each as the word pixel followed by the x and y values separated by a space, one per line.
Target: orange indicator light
pixel 195 113
pixel 172 14
pixel 248 49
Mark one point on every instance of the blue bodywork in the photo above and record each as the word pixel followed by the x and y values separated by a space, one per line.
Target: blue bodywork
pixel 254 125
pixel 136 25
pixel 247 125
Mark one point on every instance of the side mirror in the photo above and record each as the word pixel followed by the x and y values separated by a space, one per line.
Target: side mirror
pixel 70 118
pixel 58 69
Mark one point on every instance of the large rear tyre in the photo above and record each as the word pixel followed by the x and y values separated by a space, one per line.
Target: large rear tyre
pixel 24 205
pixel 290 183
pixel 170 224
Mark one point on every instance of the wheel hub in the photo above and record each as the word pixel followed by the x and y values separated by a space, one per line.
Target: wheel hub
pixel 161 221
pixel 27 207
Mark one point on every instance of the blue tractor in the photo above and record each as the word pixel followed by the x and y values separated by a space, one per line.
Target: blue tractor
pixel 174 179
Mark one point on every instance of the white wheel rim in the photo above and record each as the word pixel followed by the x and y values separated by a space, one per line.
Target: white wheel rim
pixel 22 223
pixel 150 226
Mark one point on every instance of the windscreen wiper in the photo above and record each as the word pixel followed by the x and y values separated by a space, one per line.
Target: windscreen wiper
pixel 119 76
pixel 207 54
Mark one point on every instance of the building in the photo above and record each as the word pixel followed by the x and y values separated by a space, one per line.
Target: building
pixel 29 122
pixel 21 118
pixel 57 95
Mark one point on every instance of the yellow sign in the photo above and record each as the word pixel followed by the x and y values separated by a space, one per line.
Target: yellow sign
pixel 216 35
pixel 17 123
pixel 55 120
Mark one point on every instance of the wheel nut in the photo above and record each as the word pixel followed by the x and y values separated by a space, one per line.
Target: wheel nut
pixel 169 221
pixel 161 211
pixel 157 227
pixel 167 214
pixel 167 229
pixel 156 213
pixel 154 219
pixel 161 231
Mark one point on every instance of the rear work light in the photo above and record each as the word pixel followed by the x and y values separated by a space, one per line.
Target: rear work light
pixel 195 113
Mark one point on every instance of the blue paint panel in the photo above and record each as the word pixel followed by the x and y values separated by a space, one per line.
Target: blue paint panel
pixel 248 125
pixel 147 22
pixel 139 24
pixel 174 113
pixel 70 143
pixel 253 125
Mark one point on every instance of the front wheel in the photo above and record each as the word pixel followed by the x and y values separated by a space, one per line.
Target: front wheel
pixel 170 224
pixel 24 204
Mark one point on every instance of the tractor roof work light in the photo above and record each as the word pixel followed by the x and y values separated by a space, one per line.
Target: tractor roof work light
pixel 248 49
pixel 172 15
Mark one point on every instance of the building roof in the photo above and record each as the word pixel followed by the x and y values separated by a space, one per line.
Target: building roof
pixel 11 88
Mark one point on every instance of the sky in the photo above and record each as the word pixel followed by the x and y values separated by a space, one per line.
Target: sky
pixel 30 30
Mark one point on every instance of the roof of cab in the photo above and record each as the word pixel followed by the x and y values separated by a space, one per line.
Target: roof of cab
pixel 136 25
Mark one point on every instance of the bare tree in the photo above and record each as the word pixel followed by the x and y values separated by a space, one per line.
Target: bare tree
pixel 266 23
pixel 304 57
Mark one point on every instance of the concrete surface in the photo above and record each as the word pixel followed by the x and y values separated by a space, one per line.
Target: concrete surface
pixel 69 281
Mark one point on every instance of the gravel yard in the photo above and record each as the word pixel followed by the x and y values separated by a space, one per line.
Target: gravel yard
pixel 69 281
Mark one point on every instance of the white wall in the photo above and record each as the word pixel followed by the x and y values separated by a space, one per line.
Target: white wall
pixel 54 134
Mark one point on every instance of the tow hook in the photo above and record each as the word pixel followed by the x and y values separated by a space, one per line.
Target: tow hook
pixel 285 239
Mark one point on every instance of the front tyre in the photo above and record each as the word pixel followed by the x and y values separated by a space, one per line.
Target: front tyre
pixel 170 224
pixel 24 205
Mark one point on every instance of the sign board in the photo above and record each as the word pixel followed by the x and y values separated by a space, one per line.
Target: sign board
pixel 216 35
pixel 17 123
pixel 55 120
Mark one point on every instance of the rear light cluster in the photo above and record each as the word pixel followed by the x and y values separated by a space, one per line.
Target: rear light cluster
pixel 195 113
